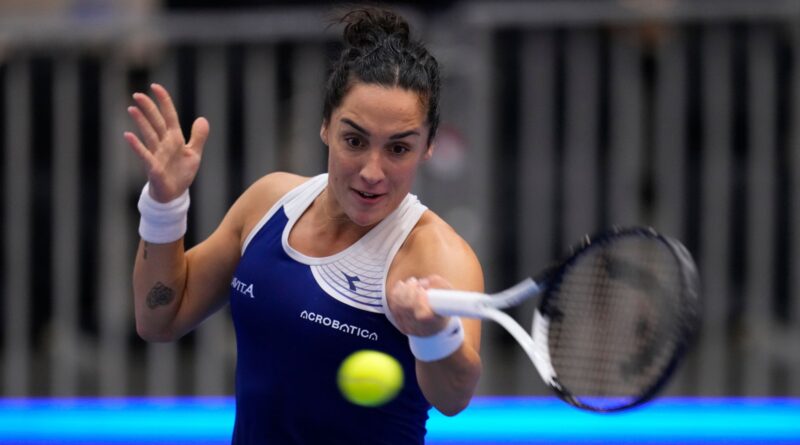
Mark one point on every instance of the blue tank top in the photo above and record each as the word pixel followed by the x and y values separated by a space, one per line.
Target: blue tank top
pixel 296 318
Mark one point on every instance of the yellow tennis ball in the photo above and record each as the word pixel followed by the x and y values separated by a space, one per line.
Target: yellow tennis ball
pixel 370 378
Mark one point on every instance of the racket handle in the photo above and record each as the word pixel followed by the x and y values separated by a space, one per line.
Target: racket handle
pixel 516 294
pixel 458 302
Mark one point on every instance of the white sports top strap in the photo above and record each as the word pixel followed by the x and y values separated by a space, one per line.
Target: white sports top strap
pixel 302 195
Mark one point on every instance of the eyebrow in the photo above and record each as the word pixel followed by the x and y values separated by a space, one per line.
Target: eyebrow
pixel 362 130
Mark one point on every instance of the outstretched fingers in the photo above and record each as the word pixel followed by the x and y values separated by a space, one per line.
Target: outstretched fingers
pixel 171 162
pixel 145 128
pixel 166 106
pixel 151 113
pixel 140 150
pixel 199 136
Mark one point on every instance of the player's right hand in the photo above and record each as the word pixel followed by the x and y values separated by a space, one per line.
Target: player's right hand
pixel 170 161
pixel 407 300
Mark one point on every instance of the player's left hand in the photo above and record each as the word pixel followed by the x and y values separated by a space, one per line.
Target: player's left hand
pixel 408 303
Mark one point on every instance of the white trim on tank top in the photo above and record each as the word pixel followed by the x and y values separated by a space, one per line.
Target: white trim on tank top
pixel 369 257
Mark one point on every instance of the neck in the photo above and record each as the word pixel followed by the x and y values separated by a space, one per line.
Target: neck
pixel 324 229
pixel 331 220
pixel 330 210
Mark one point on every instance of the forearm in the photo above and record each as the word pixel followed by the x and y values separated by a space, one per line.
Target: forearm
pixel 448 364
pixel 160 277
pixel 450 383
pixel 159 280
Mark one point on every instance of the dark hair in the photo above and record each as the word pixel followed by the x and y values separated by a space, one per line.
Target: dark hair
pixel 378 50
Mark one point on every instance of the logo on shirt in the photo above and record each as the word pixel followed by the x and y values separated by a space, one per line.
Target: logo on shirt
pixel 242 287
pixel 339 326
pixel 351 281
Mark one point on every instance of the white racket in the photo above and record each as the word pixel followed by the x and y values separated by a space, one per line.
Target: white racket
pixel 612 321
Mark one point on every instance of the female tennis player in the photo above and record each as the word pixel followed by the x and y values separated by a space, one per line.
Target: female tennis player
pixel 317 268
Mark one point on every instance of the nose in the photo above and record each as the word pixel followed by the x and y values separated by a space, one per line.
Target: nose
pixel 372 170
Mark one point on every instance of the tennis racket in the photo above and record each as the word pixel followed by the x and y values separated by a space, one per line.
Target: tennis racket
pixel 612 320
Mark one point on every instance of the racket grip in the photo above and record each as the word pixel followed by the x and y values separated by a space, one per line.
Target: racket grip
pixel 456 302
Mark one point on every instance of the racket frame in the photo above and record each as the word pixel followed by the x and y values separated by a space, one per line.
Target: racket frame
pixel 489 306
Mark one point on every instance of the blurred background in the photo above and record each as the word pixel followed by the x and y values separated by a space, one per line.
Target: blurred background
pixel 560 118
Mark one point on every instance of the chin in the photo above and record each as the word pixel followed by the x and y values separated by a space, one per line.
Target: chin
pixel 366 220
pixel 369 216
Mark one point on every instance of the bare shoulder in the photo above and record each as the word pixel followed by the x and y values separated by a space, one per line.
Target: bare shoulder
pixel 270 188
pixel 433 237
pixel 256 201
pixel 434 248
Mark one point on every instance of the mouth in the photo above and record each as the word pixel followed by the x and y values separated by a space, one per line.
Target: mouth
pixel 368 197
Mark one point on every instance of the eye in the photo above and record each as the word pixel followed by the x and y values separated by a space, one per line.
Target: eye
pixel 354 141
pixel 399 149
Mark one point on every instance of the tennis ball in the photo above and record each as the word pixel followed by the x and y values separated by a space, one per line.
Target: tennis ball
pixel 370 378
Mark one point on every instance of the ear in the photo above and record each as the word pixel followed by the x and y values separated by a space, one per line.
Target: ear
pixel 429 151
pixel 323 132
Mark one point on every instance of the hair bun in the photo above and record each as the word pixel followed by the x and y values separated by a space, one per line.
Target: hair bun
pixel 366 28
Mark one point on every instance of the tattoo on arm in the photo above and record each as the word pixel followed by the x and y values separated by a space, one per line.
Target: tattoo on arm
pixel 160 295
pixel 144 250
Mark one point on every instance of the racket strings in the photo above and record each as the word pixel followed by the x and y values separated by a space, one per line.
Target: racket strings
pixel 611 336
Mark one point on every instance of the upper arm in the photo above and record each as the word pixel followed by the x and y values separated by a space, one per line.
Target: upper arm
pixel 434 248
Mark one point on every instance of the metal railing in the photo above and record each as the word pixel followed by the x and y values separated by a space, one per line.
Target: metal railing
pixel 560 118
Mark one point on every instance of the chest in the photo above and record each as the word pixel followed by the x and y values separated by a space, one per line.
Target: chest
pixel 315 238
pixel 324 307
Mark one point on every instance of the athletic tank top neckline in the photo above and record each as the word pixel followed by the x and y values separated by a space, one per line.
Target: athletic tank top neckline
pixel 297 205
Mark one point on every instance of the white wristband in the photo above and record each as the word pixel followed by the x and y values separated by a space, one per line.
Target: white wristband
pixel 162 223
pixel 438 346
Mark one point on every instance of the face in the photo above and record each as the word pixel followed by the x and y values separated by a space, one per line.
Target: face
pixel 376 140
